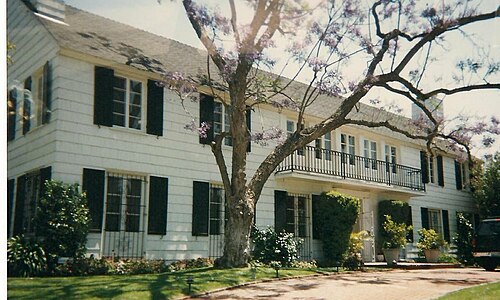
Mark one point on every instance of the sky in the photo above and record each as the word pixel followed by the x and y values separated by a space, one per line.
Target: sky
pixel 168 19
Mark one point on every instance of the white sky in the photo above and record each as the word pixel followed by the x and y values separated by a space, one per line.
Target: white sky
pixel 169 20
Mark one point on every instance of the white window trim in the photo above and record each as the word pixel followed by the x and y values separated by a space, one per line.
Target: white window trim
pixel 127 102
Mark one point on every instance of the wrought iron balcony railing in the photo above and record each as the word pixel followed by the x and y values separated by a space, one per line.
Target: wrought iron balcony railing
pixel 322 161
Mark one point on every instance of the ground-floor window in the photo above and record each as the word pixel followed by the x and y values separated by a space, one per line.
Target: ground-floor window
pixel 32 192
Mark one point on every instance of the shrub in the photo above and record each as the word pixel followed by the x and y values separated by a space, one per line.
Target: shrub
pixel 304 264
pixel 395 233
pixel 353 260
pixel 25 258
pixel 399 211
pixel 84 266
pixel 337 215
pixel 429 239
pixel 61 220
pixel 463 239
pixel 271 246
pixel 180 265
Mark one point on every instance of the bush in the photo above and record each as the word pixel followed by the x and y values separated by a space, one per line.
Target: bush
pixel 271 246
pixel 395 233
pixel 304 264
pixel 463 239
pixel 353 260
pixel 25 258
pixel 84 267
pixel 337 215
pixel 429 239
pixel 197 263
pixel 61 221
pixel 399 211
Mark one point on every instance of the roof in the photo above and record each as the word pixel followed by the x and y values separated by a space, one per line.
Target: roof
pixel 104 38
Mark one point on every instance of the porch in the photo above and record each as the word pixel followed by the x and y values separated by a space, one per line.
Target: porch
pixel 333 164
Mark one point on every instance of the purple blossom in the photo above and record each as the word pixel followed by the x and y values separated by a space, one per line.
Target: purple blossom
pixel 202 130
pixel 263 138
pixel 316 64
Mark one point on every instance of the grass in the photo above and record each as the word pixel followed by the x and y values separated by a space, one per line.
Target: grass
pixel 153 286
pixel 484 292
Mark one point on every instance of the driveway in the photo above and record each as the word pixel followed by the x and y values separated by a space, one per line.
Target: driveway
pixel 387 285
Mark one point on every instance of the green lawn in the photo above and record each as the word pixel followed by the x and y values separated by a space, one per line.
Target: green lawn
pixel 157 286
pixel 484 292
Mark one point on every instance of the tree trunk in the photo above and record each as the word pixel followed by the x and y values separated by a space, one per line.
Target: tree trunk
pixel 239 223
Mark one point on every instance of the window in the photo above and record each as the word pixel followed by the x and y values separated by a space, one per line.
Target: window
pixel 431 169
pixel 296 215
pixel 461 175
pixel 327 145
pixel 124 203
pixel 290 129
pixel 32 190
pixel 37 102
pixel 217 214
pixel 390 157
pixel 435 220
pixel 127 102
pixel 221 122
pixel 348 146
pixel 370 151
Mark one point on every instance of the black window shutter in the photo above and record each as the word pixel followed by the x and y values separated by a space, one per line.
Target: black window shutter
pixel 10 203
pixel 315 216
pixel 200 208
pixel 458 175
pixel 280 210
pixel 424 166
pixel 11 114
pixel 409 222
pixel 27 106
pixel 424 214
pixel 207 116
pixel 249 127
pixel 45 174
pixel 446 225
pixel 47 93
pixel 103 96
pixel 158 205
pixel 155 109
pixel 440 170
pixel 93 185
pixel 19 209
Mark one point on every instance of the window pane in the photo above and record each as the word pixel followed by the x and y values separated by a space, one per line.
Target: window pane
pixel 119 82
pixel 135 86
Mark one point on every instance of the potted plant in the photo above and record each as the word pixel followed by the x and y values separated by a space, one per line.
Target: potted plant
pixel 395 239
pixel 430 243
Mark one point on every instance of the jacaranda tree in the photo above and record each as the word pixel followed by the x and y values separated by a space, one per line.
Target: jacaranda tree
pixel 344 50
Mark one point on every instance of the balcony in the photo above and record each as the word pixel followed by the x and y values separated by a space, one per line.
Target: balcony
pixel 312 160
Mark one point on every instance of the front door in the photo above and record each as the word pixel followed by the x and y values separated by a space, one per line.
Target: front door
pixel 123 231
pixel 297 220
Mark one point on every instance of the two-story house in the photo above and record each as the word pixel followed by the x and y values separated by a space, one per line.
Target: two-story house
pixel 85 108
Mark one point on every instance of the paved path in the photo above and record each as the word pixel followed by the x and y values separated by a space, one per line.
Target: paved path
pixel 383 285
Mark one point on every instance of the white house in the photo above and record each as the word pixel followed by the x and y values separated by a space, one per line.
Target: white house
pixel 86 109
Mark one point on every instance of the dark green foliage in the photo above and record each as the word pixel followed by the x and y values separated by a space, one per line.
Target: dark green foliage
pixel 337 215
pixel 62 220
pixel 271 246
pixel 399 211
pixel 83 266
pixel 25 258
pixel 463 239
pixel 486 187
pixel 197 263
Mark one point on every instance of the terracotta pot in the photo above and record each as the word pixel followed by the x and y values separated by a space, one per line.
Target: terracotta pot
pixel 391 256
pixel 431 255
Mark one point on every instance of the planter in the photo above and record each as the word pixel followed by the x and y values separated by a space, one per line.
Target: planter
pixel 379 257
pixel 431 255
pixel 391 256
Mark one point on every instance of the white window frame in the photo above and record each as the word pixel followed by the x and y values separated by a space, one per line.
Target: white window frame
pixel 127 102
pixel 224 123
pixel 391 156
pixel 348 146
pixel 435 220
pixel 370 151
pixel 432 172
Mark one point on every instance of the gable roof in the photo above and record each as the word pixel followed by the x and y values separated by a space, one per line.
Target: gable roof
pixel 104 38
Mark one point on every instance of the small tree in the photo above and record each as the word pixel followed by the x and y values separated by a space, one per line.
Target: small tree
pixel 337 215
pixel 395 233
pixel 463 239
pixel 486 186
pixel 61 220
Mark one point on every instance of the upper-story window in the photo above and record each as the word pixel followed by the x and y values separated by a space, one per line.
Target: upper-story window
pixel 221 122
pixel 127 102
pixel 431 169
pixel 348 145
pixel 36 99
pixel 390 157
pixel 370 151
pixel 290 129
